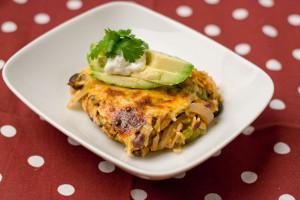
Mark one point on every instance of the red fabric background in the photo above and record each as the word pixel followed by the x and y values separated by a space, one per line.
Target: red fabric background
pixel 278 174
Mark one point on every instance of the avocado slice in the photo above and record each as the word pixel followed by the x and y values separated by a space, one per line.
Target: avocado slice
pixel 168 63
pixel 124 81
pixel 161 69
pixel 98 63
pixel 159 76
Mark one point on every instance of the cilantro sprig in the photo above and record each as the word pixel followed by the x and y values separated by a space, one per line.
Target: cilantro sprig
pixel 115 42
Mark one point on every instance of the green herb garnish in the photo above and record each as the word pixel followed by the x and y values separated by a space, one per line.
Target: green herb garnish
pixel 115 42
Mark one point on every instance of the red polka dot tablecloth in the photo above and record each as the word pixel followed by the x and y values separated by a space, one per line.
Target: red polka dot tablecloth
pixel 37 161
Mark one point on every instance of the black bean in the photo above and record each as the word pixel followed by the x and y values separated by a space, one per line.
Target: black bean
pixel 153 121
pixel 72 79
pixel 138 140
pixel 72 82
pixel 220 108
pixel 77 87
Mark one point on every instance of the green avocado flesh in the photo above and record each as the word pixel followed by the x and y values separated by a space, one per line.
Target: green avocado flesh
pixel 159 76
pixel 168 63
pixel 97 64
pixel 161 69
pixel 124 81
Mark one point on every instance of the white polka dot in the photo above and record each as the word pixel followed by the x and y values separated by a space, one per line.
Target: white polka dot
pixel 66 189
pixel 36 161
pixel 41 18
pixel 8 131
pixel 179 176
pixel 217 153
pixel 74 4
pixel 281 148
pixel 242 48
pixel 212 196
pixel 240 14
pixel 9 27
pixel 299 89
pixel 0 177
pixel 73 142
pixel 212 1
pixel 106 167
pixel 266 3
pixel 212 30
pixel 249 177
pixel 248 130
pixel 294 20
pixel 277 104
pixel 269 31
pixel 184 11
pixel 138 194
pixel 286 197
pixel 2 63
pixel 273 65
pixel 20 1
pixel 296 54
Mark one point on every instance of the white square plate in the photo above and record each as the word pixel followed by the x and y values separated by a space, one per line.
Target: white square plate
pixel 38 75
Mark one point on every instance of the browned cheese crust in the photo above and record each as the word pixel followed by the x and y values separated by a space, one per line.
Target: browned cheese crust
pixel 166 117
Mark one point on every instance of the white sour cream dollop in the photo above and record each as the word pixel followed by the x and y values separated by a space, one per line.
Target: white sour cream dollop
pixel 118 65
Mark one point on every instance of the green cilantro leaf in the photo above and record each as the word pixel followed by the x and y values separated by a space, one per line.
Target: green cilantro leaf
pixel 132 49
pixel 111 38
pixel 115 42
pixel 96 50
pixel 124 33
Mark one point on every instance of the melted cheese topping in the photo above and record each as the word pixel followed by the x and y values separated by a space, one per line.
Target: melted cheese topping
pixel 124 113
pixel 129 109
